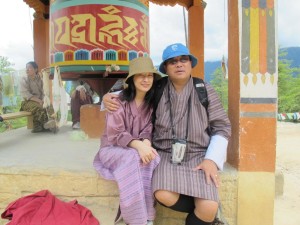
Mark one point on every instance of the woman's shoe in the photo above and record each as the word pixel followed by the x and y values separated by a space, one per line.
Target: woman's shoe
pixel 118 216
pixel 50 124
pixel 37 130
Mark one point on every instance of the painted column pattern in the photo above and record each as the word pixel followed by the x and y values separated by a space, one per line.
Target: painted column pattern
pixel 258 86
pixel 252 106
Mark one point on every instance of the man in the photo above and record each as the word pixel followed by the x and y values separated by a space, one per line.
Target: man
pixel 191 141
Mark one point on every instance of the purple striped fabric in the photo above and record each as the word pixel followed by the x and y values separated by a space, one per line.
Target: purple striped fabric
pixel 116 161
pixel 134 181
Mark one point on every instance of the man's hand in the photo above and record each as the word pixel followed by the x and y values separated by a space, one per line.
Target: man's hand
pixel 109 102
pixel 211 171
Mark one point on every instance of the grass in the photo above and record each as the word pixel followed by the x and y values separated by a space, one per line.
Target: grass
pixel 13 124
pixel 18 123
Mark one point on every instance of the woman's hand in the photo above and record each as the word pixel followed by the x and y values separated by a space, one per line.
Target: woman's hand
pixel 147 142
pixel 109 102
pixel 35 99
pixel 146 152
pixel 211 171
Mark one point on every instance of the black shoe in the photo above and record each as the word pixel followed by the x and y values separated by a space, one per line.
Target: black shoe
pixel 37 130
pixel 54 130
pixel 50 124
pixel 46 130
pixel 217 222
pixel 118 216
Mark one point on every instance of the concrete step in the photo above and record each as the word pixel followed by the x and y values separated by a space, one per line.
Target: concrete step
pixel 62 164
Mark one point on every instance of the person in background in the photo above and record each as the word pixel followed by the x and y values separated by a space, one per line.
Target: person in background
pixel 191 141
pixel 1 89
pixel 82 95
pixel 126 155
pixel 31 90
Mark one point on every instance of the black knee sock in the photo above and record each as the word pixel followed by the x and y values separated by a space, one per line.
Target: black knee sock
pixel 192 219
pixel 184 204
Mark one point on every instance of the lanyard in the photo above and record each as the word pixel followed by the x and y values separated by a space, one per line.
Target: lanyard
pixel 171 116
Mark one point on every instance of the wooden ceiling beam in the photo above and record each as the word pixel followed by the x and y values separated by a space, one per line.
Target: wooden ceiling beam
pixel 38 6
pixel 185 3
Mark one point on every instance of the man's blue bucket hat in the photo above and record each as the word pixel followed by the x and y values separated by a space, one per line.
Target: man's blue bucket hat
pixel 175 50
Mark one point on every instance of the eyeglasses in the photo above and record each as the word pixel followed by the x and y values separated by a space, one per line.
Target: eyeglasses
pixel 175 60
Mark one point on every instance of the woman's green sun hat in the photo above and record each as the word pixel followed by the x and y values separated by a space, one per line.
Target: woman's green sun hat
pixel 175 50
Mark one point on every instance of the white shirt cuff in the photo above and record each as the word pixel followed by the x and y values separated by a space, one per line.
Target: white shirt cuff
pixel 217 150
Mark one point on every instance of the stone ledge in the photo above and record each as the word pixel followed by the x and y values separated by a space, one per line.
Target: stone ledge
pixel 97 194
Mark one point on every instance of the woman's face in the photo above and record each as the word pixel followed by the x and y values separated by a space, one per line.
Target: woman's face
pixel 30 70
pixel 143 82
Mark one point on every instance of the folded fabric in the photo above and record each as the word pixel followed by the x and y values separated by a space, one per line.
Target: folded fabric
pixel 297 116
pixel 43 208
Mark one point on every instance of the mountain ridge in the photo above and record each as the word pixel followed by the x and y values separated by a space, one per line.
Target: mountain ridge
pixel 292 55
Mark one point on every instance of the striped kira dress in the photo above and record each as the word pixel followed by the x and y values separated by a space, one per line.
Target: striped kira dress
pixel 116 161
pixel 181 178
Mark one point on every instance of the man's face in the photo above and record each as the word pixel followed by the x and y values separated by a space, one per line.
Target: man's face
pixel 179 68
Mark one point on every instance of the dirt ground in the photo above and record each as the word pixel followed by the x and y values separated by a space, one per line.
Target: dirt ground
pixel 287 206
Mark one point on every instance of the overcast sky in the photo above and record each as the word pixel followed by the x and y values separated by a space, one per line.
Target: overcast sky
pixel 166 27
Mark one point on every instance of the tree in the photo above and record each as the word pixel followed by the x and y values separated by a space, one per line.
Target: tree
pixel 5 65
pixel 288 87
pixel 220 84
pixel 5 68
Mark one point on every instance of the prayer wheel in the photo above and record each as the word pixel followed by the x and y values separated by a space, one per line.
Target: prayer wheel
pixel 97 36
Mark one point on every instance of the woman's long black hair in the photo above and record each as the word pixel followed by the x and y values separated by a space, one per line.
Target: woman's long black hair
pixel 129 93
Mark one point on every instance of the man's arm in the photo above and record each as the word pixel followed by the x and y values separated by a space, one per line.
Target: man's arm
pixel 217 150
pixel 221 130
pixel 108 100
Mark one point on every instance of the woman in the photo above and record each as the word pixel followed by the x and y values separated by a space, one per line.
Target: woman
pixel 126 154
pixel 31 88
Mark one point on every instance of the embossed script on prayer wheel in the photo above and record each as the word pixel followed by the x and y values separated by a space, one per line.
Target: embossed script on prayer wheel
pixel 87 36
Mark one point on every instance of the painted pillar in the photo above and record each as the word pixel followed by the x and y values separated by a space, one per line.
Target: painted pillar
pixel 196 35
pixel 252 69
pixel 41 40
